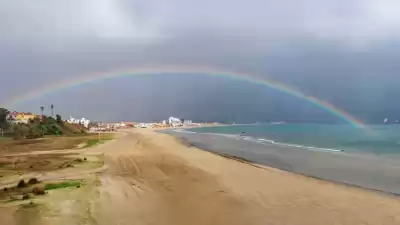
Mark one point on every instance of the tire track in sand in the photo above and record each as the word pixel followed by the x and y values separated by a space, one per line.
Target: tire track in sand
pixel 146 185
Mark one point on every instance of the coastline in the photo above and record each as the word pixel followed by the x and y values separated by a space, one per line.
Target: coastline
pixel 161 180
pixel 261 166
pixel 277 193
pixel 380 174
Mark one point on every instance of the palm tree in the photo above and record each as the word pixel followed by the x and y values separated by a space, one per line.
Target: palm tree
pixel 42 109
pixel 52 110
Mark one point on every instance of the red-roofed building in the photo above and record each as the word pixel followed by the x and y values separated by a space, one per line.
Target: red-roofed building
pixel 20 117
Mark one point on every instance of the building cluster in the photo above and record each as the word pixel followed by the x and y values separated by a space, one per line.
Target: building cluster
pixel 102 127
pixel 109 127
pixel 187 122
pixel 24 118
pixel 21 117
pixel 176 122
pixel 82 121
pixel 144 125
pixel 170 122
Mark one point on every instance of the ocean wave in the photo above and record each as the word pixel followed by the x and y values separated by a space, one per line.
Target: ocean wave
pixel 184 131
pixel 235 136
pixel 324 149
pixel 310 148
pixel 265 141
pixel 248 138
pixel 225 135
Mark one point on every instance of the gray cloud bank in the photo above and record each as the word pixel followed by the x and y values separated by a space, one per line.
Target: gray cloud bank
pixel 345 52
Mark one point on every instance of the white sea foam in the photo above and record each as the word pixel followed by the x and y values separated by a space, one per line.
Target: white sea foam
pixel 249 138
pixel 184 131
pixel 311 148
pixel 214 134
pixel 264 141
pixel 324 149
pixel 224 135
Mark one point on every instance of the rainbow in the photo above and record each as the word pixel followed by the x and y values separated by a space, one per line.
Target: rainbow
pixel 139 71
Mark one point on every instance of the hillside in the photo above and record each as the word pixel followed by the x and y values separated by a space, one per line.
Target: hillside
pixel 40 127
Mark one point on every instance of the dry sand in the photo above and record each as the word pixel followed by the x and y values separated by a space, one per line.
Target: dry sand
pixel 152 178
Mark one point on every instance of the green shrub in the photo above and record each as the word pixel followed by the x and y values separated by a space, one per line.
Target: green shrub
pixel 52 186
pixel 39 190
pixel 21 184
pixel 25 196
pixel 33 181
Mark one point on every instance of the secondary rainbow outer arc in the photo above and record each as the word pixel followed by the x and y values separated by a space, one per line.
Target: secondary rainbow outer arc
pixel 69 83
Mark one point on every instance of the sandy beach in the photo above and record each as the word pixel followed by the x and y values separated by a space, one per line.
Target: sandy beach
pixel 160 181
pixel 152 178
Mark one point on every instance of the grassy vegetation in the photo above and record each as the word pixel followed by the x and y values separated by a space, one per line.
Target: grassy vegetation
pixel 66 184
pixel 2 138
pixel 13 200
pixel 103 139
pixel 91 143
pixel 37 127
pixel 52 143
pixel 23 192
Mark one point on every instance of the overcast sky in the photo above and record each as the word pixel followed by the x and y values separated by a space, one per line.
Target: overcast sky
pixel 344 51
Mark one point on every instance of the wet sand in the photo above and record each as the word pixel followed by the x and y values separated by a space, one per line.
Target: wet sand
pixel 153 178
pixel 380 173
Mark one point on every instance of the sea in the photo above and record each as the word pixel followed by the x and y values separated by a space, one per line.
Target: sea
pixel 376 139
pixel 364 157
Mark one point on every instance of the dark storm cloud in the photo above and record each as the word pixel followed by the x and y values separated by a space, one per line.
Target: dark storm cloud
pixel 343 51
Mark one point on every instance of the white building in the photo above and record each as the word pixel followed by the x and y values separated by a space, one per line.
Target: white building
pixel 173 120
pixel 187 122
pixel 144 125
pixel 82 121
pixel 119 125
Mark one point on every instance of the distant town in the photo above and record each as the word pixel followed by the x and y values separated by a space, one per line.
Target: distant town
pixel 24 118
pixel 170 122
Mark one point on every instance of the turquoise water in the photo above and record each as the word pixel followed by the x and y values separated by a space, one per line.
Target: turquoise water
pixel 378 139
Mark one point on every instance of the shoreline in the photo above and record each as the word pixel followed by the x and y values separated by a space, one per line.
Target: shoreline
pixel 291 145
pixel 309 147
pixel 266 182
pixel 160 179
pixel 365 171
pixel 261 166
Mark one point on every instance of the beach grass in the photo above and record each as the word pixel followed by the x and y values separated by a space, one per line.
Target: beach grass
pixel 2 138
pixel 67 184
pixel 13 199
pixel 91 143
pixel 102 140
pixel 50 142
